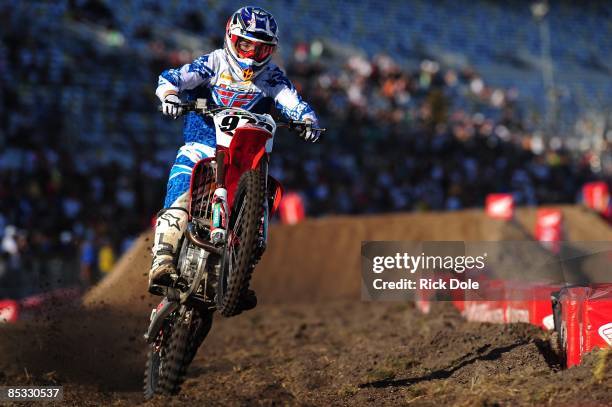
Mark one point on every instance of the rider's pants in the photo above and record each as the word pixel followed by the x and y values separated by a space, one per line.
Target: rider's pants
pixel 172 220
pixel 180 174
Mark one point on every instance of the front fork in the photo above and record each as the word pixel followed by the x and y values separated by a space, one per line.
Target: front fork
pixel 264 225
pixel 220 209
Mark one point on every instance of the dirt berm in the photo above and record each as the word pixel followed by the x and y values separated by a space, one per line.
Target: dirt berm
pixel 312 342
pixel 320 259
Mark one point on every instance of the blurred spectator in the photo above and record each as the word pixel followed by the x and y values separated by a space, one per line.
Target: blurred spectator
pixel 10 246
pixel 89 263
pixel 106 258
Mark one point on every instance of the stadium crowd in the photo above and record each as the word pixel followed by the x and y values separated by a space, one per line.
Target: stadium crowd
pixel 429 138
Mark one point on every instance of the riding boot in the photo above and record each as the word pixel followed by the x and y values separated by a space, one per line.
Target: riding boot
pixel 170 226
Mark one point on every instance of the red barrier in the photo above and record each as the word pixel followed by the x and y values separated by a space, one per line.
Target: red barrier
pixel 572 302
pixel 500 206
pixel 292 208
pixel 458 300
pixel 424 297
pixel 585 314
pixel 518 302
pixel 9 311
pixel 422 303
pixel 585 320
pixel 530 302
pixel 597 318
pixel 596 195
pixel 479 310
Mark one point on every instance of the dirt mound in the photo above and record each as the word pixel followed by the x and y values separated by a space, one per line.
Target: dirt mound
pixel 319 259
pixel 126 286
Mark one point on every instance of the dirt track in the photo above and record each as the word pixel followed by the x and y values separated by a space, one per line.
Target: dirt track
pixel 337 353
pixel 329 351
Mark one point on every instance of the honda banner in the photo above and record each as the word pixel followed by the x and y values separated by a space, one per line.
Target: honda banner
pixel 9 311
pixel 549 228
pixel 500 206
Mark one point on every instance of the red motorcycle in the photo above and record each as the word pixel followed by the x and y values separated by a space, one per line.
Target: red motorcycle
pixel 232 198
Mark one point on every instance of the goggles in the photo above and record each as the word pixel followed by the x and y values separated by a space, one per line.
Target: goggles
pixel 255 50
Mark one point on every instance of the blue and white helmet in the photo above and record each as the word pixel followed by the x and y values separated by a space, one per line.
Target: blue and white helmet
pixel 257 26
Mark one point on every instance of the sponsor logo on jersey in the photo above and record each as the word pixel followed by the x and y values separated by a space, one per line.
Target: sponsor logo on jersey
pixel 235 94
pixel 226 79
pixel 247 74
pixel 231 97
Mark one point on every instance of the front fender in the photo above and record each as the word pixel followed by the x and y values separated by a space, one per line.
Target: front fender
pixel 158 315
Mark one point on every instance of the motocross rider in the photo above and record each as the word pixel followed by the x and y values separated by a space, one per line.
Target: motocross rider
pixel 239 75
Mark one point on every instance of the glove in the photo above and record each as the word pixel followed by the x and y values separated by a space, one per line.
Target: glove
pixel 169 109
pixel 310 132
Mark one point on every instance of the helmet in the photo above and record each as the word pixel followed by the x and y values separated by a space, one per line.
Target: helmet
pixel 251 37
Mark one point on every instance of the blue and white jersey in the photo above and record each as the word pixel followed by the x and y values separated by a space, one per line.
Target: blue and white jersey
pixel 209 76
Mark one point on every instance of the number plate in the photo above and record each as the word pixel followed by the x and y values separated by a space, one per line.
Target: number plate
pixel 227 121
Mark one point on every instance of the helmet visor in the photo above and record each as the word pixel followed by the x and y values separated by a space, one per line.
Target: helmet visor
pixel 254 50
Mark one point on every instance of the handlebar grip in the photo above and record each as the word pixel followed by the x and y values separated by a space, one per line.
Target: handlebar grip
pixel 185 106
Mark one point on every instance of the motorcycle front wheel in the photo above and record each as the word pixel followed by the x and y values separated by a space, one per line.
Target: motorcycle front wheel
pixel 173 350
pixel 241 252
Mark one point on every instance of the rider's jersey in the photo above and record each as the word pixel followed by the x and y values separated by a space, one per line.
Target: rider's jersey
pixel 209 77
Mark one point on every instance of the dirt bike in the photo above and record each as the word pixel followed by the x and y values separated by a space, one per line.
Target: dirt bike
pixel 226 236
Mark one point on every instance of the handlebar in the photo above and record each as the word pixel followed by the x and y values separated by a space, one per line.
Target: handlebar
pixel 201 107
pixel 198 106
